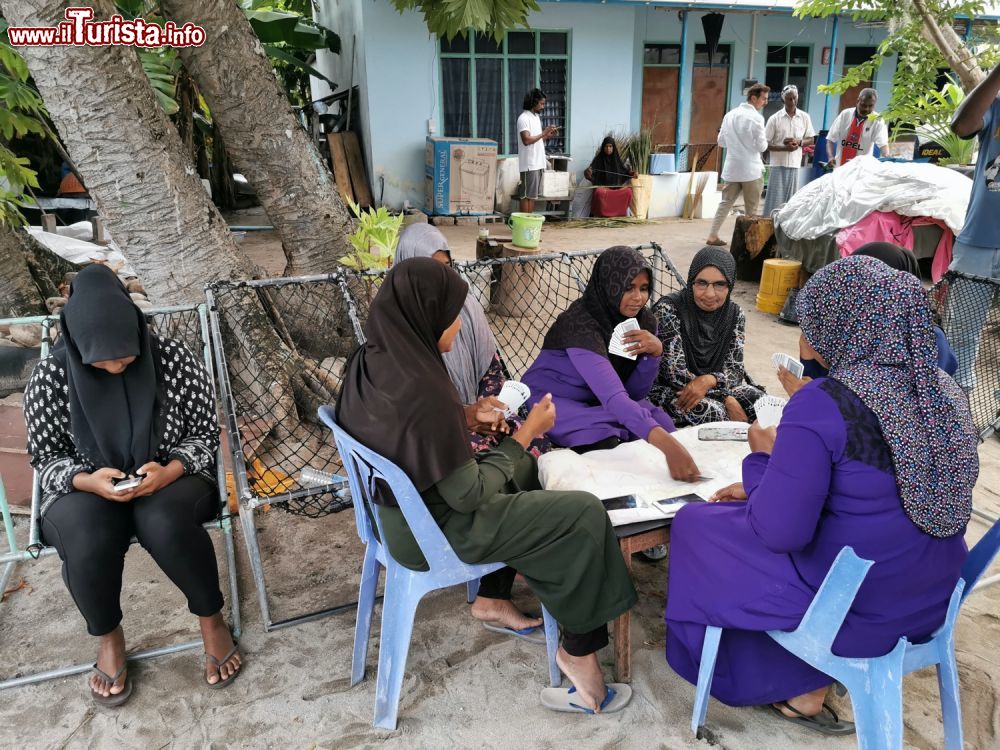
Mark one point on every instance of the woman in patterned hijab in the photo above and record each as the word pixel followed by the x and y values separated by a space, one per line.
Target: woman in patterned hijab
pixel 873 326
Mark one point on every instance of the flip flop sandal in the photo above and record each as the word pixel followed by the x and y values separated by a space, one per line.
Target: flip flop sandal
pixel 616 698
pixel 533 634
pixel 830 725
pixel 115 699
pixel 223 683
pixel 716 243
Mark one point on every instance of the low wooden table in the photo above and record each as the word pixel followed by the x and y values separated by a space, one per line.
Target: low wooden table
pixel 630 543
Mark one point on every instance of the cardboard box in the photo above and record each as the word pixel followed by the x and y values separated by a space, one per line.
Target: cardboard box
pixel 555 184
pixel 461 175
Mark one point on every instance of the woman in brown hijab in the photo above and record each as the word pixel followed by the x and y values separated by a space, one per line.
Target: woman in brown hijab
pixel 398 398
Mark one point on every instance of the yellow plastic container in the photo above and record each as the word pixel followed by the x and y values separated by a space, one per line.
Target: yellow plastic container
pixel 777 278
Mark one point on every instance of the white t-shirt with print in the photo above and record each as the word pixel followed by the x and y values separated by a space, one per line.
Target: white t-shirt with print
pixel 531 157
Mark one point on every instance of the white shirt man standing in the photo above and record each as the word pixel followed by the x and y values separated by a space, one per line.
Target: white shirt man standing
pixel 787 131
pixel 742 135
pixel 531 148
pixel 856 131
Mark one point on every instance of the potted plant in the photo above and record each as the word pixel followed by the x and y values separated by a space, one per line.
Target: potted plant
pixel 636 149
pixel 934 112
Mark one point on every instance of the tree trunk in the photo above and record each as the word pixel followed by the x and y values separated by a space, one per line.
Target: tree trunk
pixel 960 58
pixel 131 158
pixel 265 141
pixel 223 187
pixel 29 272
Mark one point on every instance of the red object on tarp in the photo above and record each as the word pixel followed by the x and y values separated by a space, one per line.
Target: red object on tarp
pixel 611 202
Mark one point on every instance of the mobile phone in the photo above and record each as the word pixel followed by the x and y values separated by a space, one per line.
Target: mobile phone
pixel 670 505
pixel 122 485
pixel 619 503
pixel 735 434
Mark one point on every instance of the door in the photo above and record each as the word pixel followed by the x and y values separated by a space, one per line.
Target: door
pixel 709 103
pixel 855 55
pixel 660 87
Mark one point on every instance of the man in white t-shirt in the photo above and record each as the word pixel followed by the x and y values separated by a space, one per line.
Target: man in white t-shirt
pixel 856 131
pixel 787 131
pixel 531 148
pixel 742 135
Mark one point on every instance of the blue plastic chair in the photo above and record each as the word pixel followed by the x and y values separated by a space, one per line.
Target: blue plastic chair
pixel 404 588
pixel 875 685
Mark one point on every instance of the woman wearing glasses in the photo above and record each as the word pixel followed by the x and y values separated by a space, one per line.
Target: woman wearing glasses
pixel 701 372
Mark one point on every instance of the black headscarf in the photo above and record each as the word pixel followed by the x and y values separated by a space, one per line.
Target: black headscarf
pixel 397 396
pixel 114 419
pixel 892 255
pixel 706 336
pixel 589 322
pixel 609 170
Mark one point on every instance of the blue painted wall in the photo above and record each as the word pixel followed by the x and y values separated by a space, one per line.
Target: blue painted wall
pixel 398 70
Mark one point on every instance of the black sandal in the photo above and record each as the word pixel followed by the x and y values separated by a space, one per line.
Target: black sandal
pixel 115 699
pixel 830 725
pixel 223 683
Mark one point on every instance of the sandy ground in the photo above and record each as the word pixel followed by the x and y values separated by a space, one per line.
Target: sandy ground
pixel 464 687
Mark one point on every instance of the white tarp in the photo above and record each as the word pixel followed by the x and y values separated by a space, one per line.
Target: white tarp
pixel 68 245
pixel 848 194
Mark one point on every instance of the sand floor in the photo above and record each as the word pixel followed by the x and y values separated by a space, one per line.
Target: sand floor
pixel 464 687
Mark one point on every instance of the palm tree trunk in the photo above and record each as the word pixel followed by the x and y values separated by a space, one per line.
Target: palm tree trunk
pixel 131 158
pixel 265 141
pixel 27 269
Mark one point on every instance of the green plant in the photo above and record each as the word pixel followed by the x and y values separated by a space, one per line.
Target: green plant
pixel 636 148
pixel 374 240
pixel 934 112
pixel 450 17
pixel 21 112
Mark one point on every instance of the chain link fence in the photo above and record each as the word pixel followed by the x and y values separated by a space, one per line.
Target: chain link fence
pixel 968 310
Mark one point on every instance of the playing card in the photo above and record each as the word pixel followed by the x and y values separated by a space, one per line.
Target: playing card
pixel 513 394
pixel 789 363
pixel 769 410
pixel 617 343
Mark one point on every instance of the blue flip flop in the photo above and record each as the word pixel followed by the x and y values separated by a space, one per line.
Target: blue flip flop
pixel 533 634
pixel 616 697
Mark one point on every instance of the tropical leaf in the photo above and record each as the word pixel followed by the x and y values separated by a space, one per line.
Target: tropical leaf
pixel 280 53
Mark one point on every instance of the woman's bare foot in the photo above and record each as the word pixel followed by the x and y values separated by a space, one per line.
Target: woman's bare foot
pixel 504 612
pixel 808 704
pixel 585 674
pixel 110 658
pixel 218 642
pixel 734 411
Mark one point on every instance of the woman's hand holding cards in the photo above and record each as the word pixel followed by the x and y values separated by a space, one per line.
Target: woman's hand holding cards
pixel 540 420
pixel 486 416
pixel 643 342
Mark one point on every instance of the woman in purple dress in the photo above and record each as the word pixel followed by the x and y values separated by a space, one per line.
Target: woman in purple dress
pixel 880 455
pixel 601 397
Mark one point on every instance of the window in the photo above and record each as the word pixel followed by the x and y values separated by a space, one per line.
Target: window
pixel 483 84
pixel 661 54
pixel 787 64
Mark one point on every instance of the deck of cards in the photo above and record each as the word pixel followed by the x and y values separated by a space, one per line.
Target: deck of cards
pixel 513 394
pixel 789 363
pixel 769 409
pixel 617 345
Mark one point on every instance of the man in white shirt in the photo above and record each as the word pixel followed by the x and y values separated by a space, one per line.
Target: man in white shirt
pixel 856 131
pixel 742 135
pixel 531 148
pixel 787 131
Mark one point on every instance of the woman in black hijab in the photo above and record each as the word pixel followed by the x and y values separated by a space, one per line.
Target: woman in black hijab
pixel 114 403
pixel 397 397
pixel 701 374
pixel 610 175
pixel 601 393
pixel 813 365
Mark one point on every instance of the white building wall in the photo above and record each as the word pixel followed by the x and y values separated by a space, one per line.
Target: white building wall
pixel 398 71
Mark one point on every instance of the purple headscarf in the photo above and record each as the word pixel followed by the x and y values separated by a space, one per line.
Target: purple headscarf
pixel 873 325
